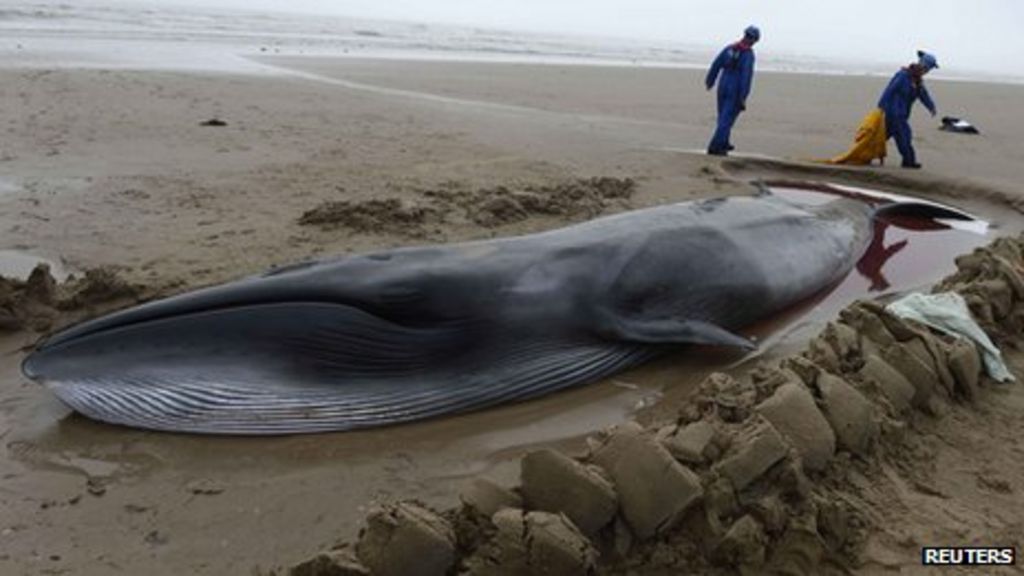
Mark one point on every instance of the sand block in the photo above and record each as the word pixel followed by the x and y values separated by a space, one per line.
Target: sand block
pixel 792 411
pixel 893 385
pixel 742 545
pixel 553 482
pixel 406 539
pixel 979 307
pixel 926 349
pixel 756 448
pixel 766 378
pixel 823 354
pixel 693 443
pixel 733 399
pixel 1012 274
pixel 867 347
pixel 330 563
pixel 923 343
pixel 851 414
pixel 486 497
pixel 998 294
pixel 533 543
pixel 919 374
pixel 901 328
pixel 863 318
pixel 844 340
pixel 654 489
pixel 805 369
pixel 965 364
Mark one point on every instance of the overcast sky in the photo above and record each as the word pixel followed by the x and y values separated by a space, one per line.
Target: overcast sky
pixel 965 34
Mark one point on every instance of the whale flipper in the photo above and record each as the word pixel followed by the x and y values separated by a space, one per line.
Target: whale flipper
pixel 673 331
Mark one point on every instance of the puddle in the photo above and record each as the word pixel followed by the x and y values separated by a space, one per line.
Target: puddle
pixel 19 264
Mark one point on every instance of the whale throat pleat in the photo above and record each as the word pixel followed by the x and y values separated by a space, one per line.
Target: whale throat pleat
pixel 323 367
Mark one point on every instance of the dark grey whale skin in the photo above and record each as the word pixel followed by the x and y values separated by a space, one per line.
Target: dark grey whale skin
pixel 412 333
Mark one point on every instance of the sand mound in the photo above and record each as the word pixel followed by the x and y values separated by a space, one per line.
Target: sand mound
pixel 497 206
pixel 29 303
pixel 36 303
pixel 485 207
pixel 96 286
pixel 390 215
pixel 761 474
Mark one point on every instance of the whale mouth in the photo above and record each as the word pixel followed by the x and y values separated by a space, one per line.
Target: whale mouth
pixel 242 294
pixel 306 284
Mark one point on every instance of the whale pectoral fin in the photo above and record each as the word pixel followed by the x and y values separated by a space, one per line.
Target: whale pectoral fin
pixel 671 331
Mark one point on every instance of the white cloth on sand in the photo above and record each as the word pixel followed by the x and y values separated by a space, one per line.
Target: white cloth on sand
pixel 948 312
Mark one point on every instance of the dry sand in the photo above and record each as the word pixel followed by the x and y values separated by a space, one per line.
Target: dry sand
pixel 101 168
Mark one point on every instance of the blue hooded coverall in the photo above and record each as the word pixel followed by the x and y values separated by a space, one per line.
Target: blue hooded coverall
pixel 736 65
pixel 896 101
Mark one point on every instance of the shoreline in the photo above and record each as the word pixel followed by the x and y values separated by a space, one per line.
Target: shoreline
pixel 224 53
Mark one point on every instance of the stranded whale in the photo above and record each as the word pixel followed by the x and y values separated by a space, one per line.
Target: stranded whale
pixel 412 333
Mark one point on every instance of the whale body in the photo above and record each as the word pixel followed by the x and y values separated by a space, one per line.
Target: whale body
pixel 412 333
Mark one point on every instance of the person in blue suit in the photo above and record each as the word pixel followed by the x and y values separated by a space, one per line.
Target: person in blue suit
pixel 906 87
pixel 734 71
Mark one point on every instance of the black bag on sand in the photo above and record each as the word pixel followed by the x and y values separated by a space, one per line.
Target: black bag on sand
pixel 951 124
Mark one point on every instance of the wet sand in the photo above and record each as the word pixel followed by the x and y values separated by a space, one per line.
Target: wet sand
pixel 103 167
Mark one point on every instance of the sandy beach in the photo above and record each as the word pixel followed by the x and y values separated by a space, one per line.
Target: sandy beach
pixel 112 167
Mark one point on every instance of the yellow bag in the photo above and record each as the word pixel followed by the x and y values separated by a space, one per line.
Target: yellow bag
pixel 869 143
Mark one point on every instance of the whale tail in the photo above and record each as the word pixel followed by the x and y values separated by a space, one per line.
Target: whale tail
pixel 900 211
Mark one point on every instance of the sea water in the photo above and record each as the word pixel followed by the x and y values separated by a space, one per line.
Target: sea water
pixel 106 33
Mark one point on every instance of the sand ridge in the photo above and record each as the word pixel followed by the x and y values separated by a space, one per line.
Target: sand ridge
pixel 490 207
